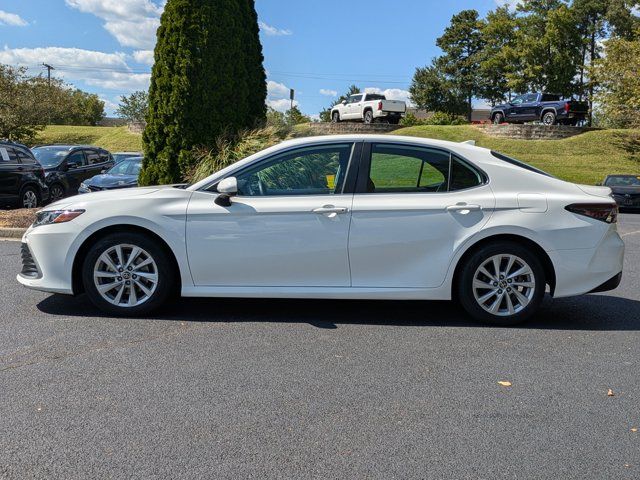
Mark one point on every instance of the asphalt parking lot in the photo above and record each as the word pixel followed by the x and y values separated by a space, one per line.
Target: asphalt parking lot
pixel 325 389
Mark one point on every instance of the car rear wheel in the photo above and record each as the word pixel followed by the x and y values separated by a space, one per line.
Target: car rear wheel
pixel 127 274
pixel 56 192
pixel 368 117
pixel 549 118
pixel 335 117
pixel 29 197
pixel 502 284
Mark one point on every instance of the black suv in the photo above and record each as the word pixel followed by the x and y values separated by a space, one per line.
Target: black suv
pixel 22 179
pixel 66 166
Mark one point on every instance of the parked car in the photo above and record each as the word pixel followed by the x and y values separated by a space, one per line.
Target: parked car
pixel 369 108
pixel 625 190
pixel 22 179
pixel 123 174
pixel 66 166
pixel 119 156
pixel 547 108
pixel 345 216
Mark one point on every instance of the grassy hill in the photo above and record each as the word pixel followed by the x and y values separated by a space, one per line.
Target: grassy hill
pixel 585 158
pixel 114 139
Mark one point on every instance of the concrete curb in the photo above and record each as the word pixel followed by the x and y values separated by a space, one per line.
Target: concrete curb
pixel 12 233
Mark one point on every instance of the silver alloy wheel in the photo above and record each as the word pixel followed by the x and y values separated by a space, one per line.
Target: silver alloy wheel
pixel 548 118
pixel 29 199
pixel 503 285
pixel 125 275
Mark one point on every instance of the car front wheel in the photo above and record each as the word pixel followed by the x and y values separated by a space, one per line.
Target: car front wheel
pixel 127 274
pixel 29 197
pixel 502 284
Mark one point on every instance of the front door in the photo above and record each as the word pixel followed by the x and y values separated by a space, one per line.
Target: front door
pixel 287 227
pixel 412 208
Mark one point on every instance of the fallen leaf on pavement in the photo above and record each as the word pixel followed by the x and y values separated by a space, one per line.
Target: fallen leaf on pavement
pixel 504 383
pixel 634 429
pixel 610 393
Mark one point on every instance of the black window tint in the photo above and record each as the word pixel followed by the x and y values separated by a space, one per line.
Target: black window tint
pixel 375 96
pixel 317 170
pixel 76 158
pixel 399 168
pixel 463 176
pixel 547 97
pixel 8 154
pixel 104 156
pixel 24 157
pixel 93 157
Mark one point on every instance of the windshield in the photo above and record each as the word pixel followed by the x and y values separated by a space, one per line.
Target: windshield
pixel 623 181
pixel 50 156
pixel 127 167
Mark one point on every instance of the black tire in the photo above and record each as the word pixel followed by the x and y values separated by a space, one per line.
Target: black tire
pixel 335 117
pixel 549 118
pixel 56 192
pixel 498 118
pixel 471 266
pixel 29 197
pixel 166 274
pixel 368 117
pixel 394 120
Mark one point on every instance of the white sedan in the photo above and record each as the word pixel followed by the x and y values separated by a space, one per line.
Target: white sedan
pixel 351 217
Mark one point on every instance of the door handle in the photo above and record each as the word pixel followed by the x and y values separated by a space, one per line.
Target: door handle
pixel 330 210
pixel 463 208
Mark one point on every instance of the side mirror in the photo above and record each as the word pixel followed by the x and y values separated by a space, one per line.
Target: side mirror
pixel 227 188
pixel 343 102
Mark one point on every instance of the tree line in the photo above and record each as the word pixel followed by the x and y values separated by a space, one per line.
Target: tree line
pixel 29 103
pixel 541 45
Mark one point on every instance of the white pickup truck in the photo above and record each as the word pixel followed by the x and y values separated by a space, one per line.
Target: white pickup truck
pixel 369 108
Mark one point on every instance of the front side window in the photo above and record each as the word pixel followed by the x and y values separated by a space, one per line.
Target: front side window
pixel 76 159
pixel 398 168
pixel 356 98
pixel 93 157
pixel 317 170
pixel 532 97
pixel 518 100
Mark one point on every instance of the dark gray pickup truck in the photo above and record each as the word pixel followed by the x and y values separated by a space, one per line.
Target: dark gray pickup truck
pixel 547 108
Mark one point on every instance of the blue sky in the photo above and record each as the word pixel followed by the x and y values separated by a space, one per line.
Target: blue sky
pixel 316 47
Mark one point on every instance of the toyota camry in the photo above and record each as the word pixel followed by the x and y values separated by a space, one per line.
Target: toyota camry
pixel 339 217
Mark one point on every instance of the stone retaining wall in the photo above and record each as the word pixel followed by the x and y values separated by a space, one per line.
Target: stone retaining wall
pixel 533 131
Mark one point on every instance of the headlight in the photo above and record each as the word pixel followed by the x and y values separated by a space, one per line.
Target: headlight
pixel 56 216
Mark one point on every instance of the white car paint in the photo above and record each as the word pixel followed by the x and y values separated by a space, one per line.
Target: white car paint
pixel 356 105
pixel 367 246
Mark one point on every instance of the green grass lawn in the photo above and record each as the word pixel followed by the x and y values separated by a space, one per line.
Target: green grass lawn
pixel 585 158
pixel 114 139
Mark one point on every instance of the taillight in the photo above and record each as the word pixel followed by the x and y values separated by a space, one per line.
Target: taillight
pixel 380 105
pixel 566 107
pixel 605 212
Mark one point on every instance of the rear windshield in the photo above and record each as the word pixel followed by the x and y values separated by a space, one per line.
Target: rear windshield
pixel 520 164
pixel 375 96
pixel 623 181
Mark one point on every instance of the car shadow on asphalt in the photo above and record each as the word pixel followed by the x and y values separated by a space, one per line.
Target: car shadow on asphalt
pixel 590 312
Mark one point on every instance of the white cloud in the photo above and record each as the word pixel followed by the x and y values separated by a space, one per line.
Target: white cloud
pixel 328 93
pixel 275 89
pixel 143 56
pixel 273 31
pixel 512 4
pixel 132 22
pixel 98 69
pixel 282 104
pixel 12 20
pixel 392 94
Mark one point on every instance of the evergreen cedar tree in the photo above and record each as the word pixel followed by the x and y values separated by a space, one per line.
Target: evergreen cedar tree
pixel 208 79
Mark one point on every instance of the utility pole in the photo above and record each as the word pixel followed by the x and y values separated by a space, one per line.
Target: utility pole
pixel 292 95
pixel 49 68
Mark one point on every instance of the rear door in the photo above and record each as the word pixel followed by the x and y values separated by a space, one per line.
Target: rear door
pixel 95 163
pixel 76 164
pixel 413 207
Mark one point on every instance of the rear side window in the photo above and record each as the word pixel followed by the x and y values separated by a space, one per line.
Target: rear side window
pixel 8 155
pixel 463 176
pixel 24 156
pixel 93 157
pixel 547 97
pixel 399 168
pixel 520 164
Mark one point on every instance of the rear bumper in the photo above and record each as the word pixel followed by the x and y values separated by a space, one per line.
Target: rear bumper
pixel 585 270
pixel 610 284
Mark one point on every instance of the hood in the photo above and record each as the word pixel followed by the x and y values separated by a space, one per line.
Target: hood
pixel 105 195
pixel 595 191
pixel 106 180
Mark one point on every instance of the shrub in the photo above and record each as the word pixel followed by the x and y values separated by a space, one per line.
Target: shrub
pixel 443 118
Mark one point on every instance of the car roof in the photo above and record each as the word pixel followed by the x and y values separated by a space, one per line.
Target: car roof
pixel 67 147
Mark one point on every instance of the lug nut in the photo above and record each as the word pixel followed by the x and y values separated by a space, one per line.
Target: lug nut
pixel 509 281
pixel 509 289
pixel 127 282
pixel 499 291
pixel 134 276
pixel 501 277
pixel 120 269
pixel 119 279
pixel 130 268
pixel 495 284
